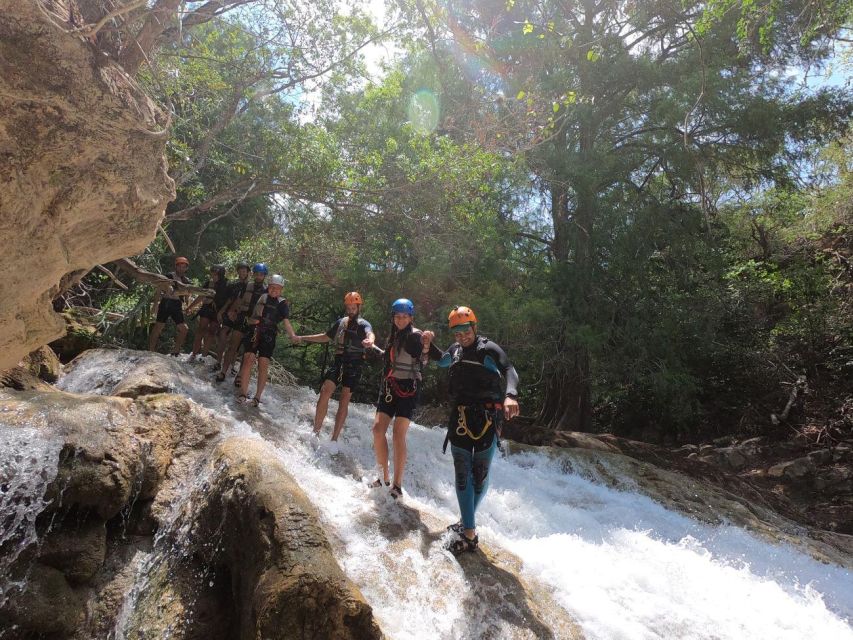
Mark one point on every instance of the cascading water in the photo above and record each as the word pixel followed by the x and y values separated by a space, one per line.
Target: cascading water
pixel 619 563
pixel 28 464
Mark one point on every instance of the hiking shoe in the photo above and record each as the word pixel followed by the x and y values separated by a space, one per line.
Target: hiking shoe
pixel 237 381
pixel 396 492
pixel 242 398
pixel 376 484
pixel 255 401
pixel 220 377
pixel 463 545
pixel 457 527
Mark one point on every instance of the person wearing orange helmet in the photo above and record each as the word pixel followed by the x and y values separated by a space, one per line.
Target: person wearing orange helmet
pixel 169 305
pixel 352 336
pixel 483 390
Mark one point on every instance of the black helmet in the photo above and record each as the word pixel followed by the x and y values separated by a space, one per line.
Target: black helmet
pixel 218 268
pixel 243 265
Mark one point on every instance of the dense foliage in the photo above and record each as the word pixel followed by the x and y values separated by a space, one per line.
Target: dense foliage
pixel 638 199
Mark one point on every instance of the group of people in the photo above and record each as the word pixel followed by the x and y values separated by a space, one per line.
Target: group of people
pixel 483 384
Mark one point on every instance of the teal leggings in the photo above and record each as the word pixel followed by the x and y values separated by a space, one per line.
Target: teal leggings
pixel 472 479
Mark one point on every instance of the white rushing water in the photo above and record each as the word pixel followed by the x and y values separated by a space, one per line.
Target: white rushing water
pixel 28 464
pixel 619 563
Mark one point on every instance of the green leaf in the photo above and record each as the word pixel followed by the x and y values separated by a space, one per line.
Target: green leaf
pixel 527 27
pixel 520 95
pixel 556 107
pixel 592 55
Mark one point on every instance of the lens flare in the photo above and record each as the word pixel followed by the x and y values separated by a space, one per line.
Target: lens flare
pixel 424 111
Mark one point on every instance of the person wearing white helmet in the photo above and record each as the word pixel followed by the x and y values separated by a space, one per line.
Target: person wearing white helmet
pixel 352 335
pixel 259 344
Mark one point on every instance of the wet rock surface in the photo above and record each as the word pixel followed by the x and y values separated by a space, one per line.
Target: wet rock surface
pixel 243 554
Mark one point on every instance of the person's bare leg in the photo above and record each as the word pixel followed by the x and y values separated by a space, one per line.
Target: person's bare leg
pixel 200 332
pixel 341 415
pixel 233 345
pixel 380 442
pixel 154 336
pixel 222 344
pixel 326 392
pixel 180 336
pixel 246 372
pixel 401 427
pixel 263 371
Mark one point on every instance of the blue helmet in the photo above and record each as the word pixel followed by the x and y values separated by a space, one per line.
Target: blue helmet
pixel 403 305
pixel 261 267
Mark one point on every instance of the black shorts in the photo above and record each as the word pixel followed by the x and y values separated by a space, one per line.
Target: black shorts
pixel 398 398
pixel 239 325
pixel 169 308
pixel 207 311
pixel 344 372
pixel 263 346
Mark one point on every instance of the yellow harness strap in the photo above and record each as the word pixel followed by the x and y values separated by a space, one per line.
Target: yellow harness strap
pixel 462 424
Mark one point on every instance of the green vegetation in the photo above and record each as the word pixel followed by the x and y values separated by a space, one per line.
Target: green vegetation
pixel 637 199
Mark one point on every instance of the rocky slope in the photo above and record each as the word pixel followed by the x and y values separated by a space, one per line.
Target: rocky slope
pixel 230 546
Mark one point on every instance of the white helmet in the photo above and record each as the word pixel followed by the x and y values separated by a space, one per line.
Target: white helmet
pixel 276 279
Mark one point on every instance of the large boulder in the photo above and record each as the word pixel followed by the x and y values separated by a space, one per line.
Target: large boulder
pixel 235 548
pixel 82 168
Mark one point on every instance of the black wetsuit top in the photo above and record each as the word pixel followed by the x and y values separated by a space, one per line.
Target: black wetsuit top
pixel 475 380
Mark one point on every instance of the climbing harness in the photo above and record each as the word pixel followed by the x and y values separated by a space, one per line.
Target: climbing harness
pixel 462 424
pixel 489 409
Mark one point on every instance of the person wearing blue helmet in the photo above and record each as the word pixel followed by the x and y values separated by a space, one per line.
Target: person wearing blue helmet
pixel 408 349
pixel 237 312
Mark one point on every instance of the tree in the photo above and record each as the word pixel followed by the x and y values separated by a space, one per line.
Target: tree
pixel 630 109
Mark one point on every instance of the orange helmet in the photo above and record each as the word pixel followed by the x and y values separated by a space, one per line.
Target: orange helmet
pixel 353 297
pixel 462 318
pixel 181 260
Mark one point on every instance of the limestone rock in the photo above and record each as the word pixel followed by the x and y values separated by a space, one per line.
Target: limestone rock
pixel 44 364
pixel 47 605
pixel 78 550
pixel 792 469
pixel 82 168
pixel 291 586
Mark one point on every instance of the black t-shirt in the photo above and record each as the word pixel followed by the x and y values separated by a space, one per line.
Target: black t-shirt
pixel 221 290
pixel 170 294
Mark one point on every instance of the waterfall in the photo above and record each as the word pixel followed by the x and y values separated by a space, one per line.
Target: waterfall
pixel 613 559
pixel 28 464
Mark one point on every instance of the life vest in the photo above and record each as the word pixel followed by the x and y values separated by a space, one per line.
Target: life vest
pixel 267 312
pixel 474 376
pixel 351 348
pixel 401 365
pixel 245 300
